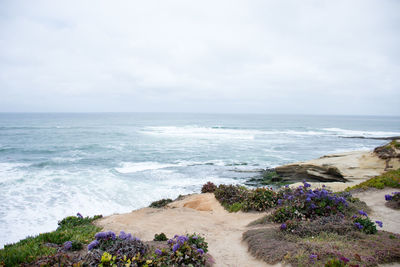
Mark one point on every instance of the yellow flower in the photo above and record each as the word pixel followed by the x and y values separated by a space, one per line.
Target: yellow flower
pixel 149 261
pixel 106 257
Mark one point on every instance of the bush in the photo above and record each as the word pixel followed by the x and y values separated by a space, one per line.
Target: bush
pixel 303 202
pixel 284 214
pixel 183 251
pixel 122 247
pixel 160 237
pixel 260 199
pixel 209 187
pixel 230 194
pixel 160 203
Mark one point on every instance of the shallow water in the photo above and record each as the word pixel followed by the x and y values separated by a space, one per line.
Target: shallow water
pixel 54 165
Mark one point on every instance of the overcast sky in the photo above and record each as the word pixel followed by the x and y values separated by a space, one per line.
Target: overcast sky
pixel 309 57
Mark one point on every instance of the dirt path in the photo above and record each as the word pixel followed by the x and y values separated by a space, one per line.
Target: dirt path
pixel 199 213
pixel 375 199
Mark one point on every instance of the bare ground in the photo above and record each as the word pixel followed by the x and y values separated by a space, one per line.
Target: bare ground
pixel 198 213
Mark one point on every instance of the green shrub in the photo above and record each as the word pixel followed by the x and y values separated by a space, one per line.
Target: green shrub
pixel 368 226
pixel 160 237
pixel 160 203
pixel 260 199
pixel 235 207
pixel 230 194
pixel 284 214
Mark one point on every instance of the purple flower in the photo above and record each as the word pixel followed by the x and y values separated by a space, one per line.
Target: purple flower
pixel 283 226
pixel 171 241
pixel 358 225
pixel 279 201
pixel 388 197
pixel 344 259
pixel 361 212
pixel 354 216
pixel 105 235
pixel 200 251
pixel 313 206
pixel 122 235
pixel 313 257
pixel 68 245
pixel 308 199
pixel 194 237
pixel 306 185
pixel 175 247
pixel 79 215
pixel 100 235
pixel 93 244
pixel 379 223
pixel 158 252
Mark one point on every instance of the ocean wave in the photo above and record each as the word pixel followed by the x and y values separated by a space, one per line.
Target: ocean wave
pixel 349 133
pixel 130 167
pixel 220 132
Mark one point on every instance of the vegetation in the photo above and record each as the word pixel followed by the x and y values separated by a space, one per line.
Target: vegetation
pixel 318 227
pixel 77 229
pixel 160 237
pixel 160 203
pixel 235 198
pixel 393 200
pixel 126 250
pixel 388 179
pixel 209 187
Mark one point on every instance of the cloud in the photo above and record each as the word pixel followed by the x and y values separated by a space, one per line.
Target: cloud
pixel 320 57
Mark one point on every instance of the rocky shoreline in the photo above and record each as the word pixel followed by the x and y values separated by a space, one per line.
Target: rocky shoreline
pixel 350 167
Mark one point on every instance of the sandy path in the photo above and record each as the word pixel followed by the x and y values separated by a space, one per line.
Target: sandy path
pixel 375 199
pixel 199 213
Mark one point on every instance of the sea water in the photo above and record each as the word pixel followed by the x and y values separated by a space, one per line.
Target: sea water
pixel 55 165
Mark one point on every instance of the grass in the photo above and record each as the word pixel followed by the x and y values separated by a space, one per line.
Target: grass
pixel 388 179
pixel 31 248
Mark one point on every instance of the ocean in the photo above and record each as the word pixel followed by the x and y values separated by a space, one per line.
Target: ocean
pixel 53 165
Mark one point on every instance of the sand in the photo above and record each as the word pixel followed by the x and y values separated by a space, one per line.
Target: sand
pixel 198 213
pixel 375 199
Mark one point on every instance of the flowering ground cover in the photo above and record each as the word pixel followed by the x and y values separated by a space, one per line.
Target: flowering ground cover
pixel 318 227
pixel 393 200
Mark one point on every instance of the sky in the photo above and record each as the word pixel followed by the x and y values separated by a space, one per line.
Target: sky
pixel 227 56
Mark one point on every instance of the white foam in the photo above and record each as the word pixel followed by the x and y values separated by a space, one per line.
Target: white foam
pixel 201 132
pixel 345 132
pixel 6 166
pixel 130 167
